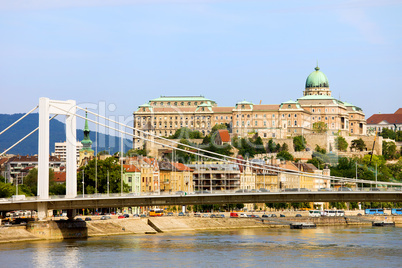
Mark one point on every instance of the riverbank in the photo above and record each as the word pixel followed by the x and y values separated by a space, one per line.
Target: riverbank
pixel 115 226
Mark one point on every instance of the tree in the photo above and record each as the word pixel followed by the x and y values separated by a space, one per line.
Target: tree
pixel 375 160
pixel 135 152
pixel 341 144
pixel 389 150
pixel 217 127
pixel 259 146
pixel 31 180
pixel 320 127
pixel 358 144
pixel 110 165
pixel 6 189
pixel 186 133
pixel 246 148
pixel 299 143
pixel 317 162
pixel 320 150
pixel 283 155
pixel 285 147
pixel 271 146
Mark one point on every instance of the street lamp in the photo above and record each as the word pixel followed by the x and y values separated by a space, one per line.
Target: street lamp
pixel 108 182
pixel 83 189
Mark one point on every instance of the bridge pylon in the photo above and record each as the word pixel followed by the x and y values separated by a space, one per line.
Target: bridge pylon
pixel 46 108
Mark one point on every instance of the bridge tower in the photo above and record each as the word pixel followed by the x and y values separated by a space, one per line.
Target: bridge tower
pixel 46 108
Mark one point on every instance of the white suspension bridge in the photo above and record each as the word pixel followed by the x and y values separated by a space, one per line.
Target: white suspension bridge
pixel 43 201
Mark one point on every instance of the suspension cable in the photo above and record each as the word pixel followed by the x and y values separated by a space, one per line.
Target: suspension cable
pixel 274 169
pixel 33 131
pixel 19 119
pixel 185 145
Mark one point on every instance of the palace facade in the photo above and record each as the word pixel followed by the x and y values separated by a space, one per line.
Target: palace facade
pixel 163 116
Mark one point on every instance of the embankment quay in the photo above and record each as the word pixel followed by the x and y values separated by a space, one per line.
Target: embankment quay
pixel 127 200
pixel 64 229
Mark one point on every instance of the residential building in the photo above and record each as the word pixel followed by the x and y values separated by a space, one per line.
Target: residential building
pixel 377 122
pixel 149 172
pixel 132 177
pixel 175 177
pixel 60 150
pixel 17 167
pixel 215 176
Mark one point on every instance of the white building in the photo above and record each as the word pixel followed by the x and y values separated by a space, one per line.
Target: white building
pixel 60 150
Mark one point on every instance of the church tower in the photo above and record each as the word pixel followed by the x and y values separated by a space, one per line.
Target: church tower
pixel 86 153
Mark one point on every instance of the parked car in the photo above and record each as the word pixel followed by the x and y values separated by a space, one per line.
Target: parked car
pixel 264 216
pixel 143 215
pixel 221 216
pixel 325 190
pixel 242 215
pixel 359 214
pixel 298 215
pixel 304 190
pixel 121 217
pixel 212 216
pixel 180 193
pixel 79 219
pixel 242 191
pixel 197 215
pixel 273 215
pixel 375 189
pixel 181 214
pixel 282 216
pixel 205 215
pixel 7 223
pixel 126 216
pixel 170 214
pixel 135 215
pixel 263 190
pixel 344 189
pixel 88 219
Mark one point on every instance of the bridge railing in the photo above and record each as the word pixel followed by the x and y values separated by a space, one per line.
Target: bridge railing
pixel 227 192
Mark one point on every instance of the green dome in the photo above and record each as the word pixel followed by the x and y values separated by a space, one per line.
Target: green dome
pixel 317 79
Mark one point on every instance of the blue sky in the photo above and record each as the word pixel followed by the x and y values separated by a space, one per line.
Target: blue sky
pixel 124 53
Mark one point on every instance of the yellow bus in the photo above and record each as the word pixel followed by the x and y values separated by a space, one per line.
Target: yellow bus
pixel 155 212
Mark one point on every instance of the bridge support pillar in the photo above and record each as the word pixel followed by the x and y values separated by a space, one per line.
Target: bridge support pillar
pixel 42 211
pixel 71 214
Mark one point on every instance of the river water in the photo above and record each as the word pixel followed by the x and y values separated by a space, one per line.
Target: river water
pixel 321 247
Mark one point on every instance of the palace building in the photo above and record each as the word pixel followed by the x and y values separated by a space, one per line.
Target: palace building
pixel 163 116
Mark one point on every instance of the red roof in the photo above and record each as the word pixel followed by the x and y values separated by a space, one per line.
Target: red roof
pixel 395 118
pixel 224 133
pixel 222 109
pixel 59 176
pixel 131 168
pixel 264 107
pixel 182 167
pixel 3 160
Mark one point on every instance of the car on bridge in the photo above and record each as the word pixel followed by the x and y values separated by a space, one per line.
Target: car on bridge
pixel 242 191
pixel 344 189
pixel 374 189
pixel 263 190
